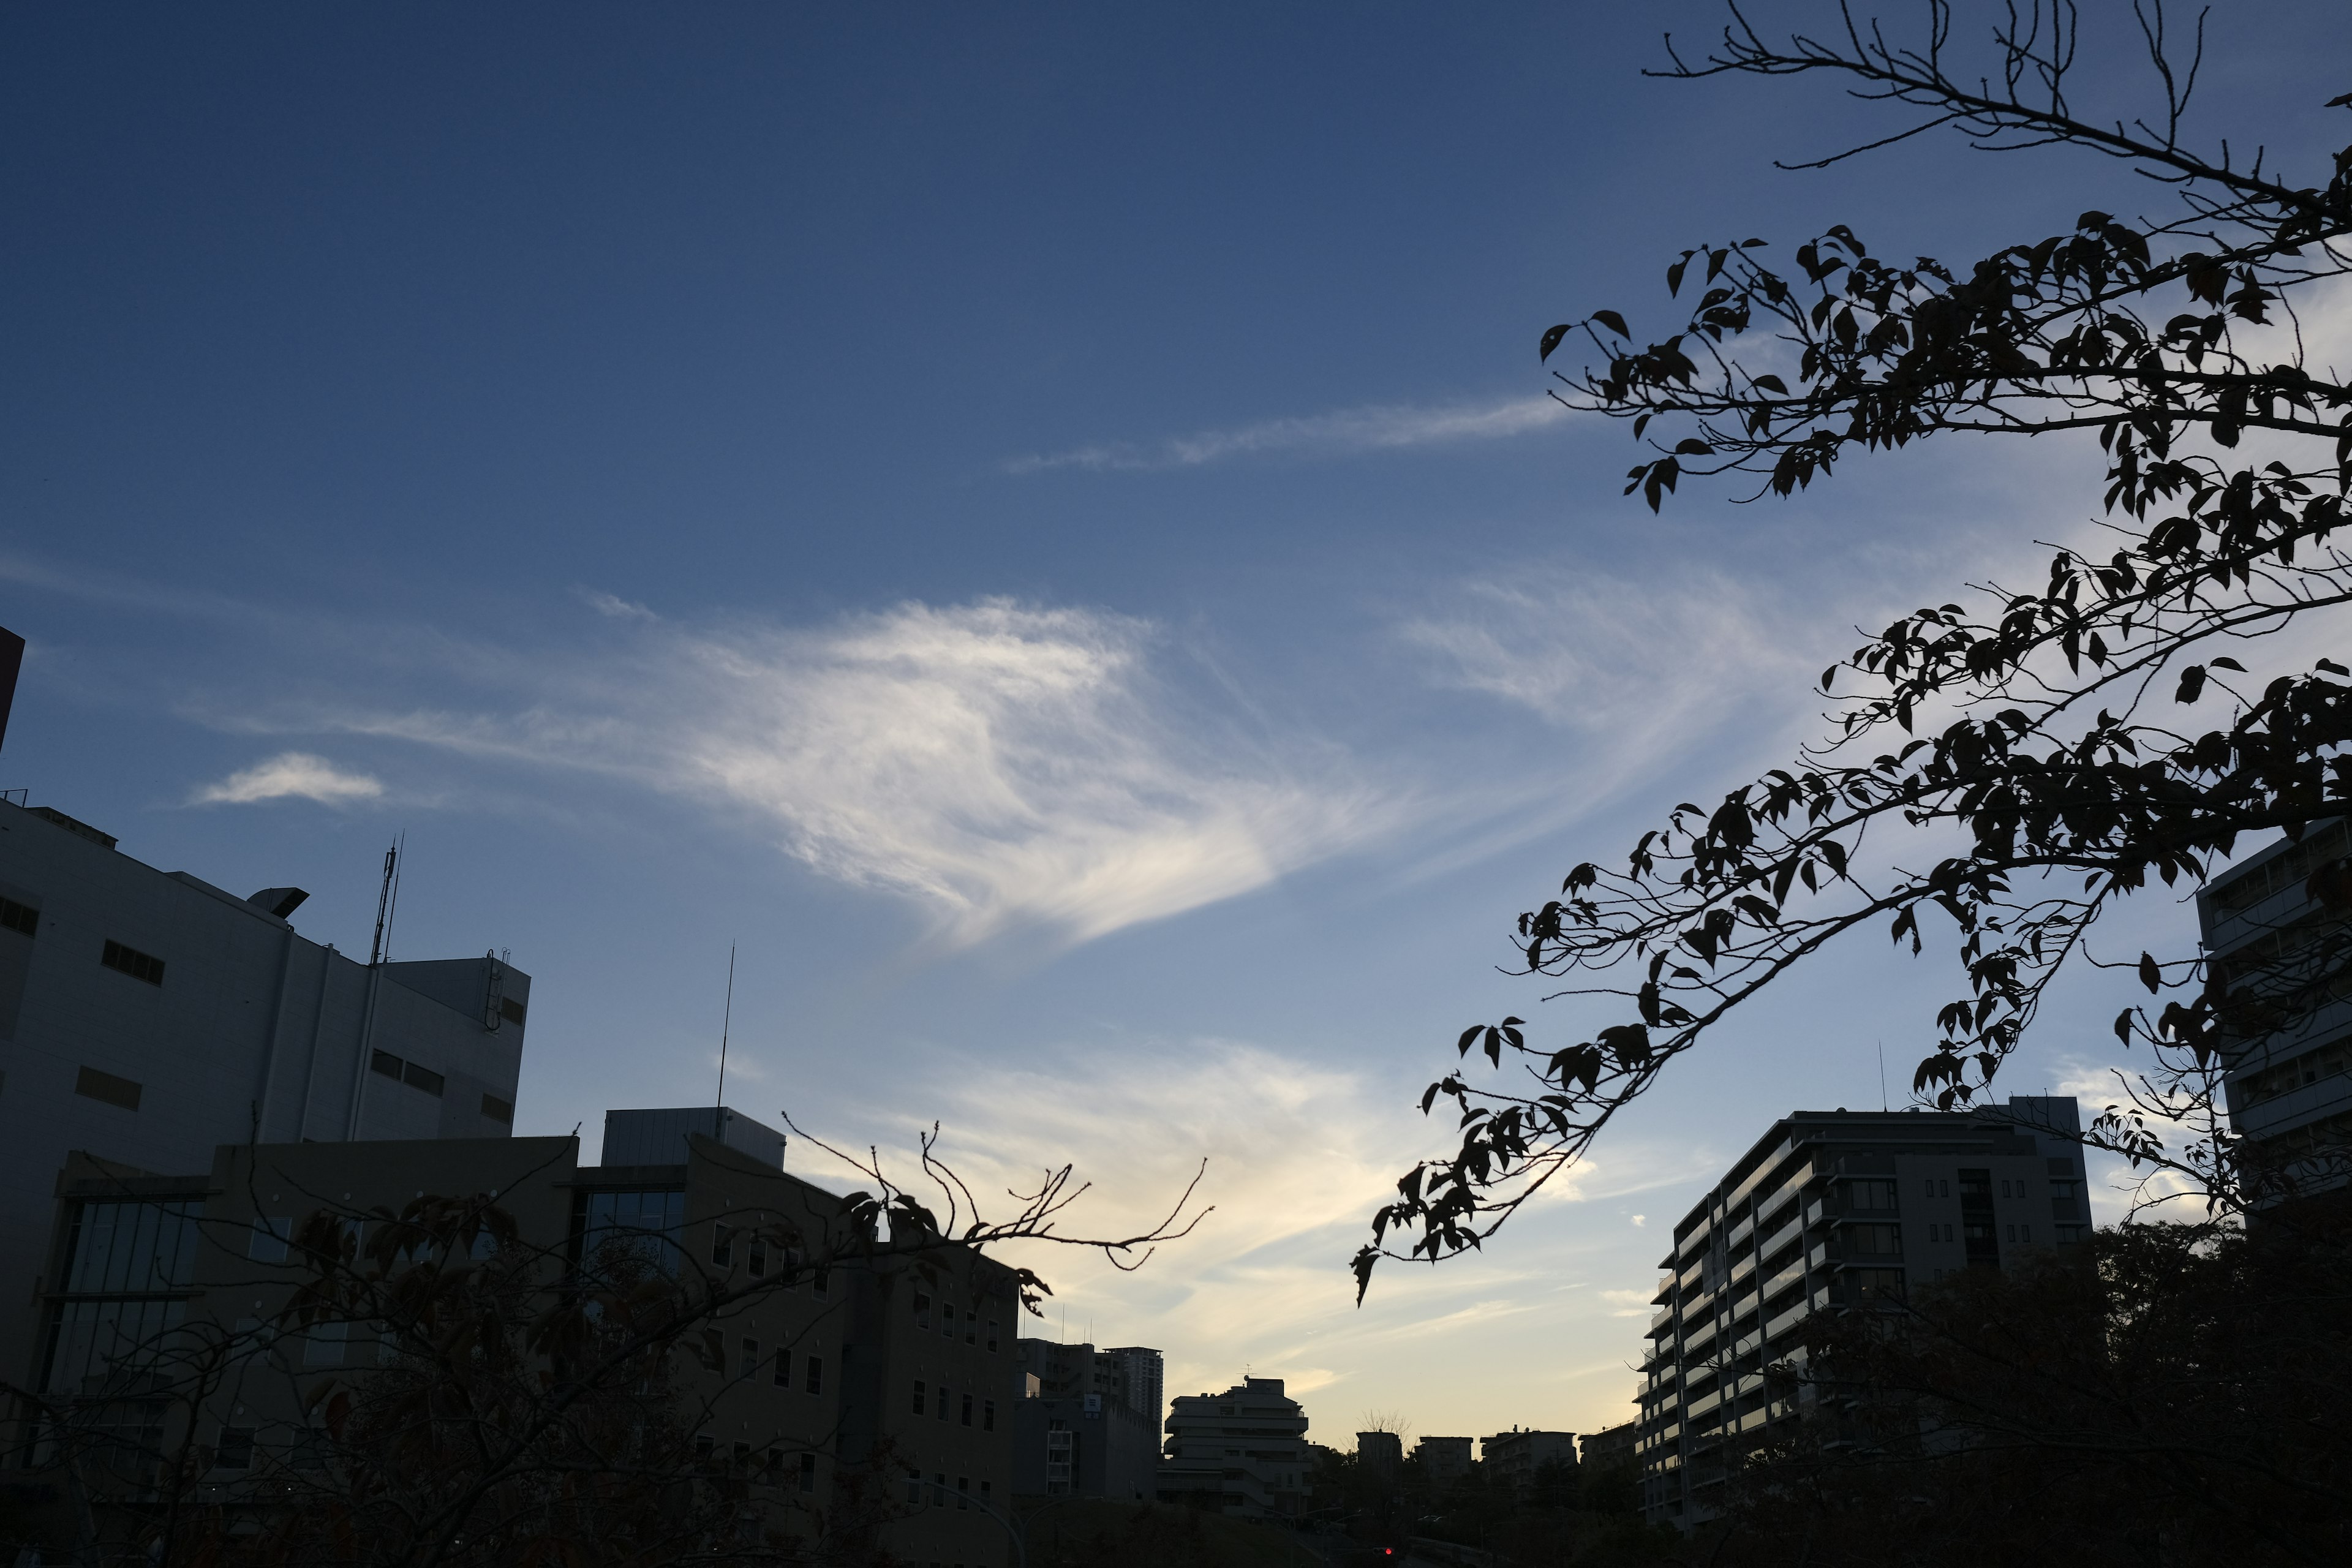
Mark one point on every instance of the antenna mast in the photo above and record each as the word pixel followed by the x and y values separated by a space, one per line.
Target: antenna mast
pixel 376 954
pixel 1882 1075
pixel 727 1022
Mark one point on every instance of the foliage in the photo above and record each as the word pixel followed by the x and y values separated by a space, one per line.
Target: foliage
pixel 2174 1396
pixel 2038 751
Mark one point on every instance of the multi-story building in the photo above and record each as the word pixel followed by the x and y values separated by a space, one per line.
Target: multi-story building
pixel 1142 1375
pixel 1381 1453
pixel 1087 1421
pixel 1243 1451
pixel 1443 1459
pixel 1611 1445
pixel 1830 1210
pixel 2268 937
pixel 889 1370
pixel 147 1017
pixel 1513 1458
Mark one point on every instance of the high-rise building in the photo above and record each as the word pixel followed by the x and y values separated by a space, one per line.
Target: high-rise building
pixel 1243 1452
pixel 2269 939
pixel 1832 1210
pixel 147 1017
pixel 1144 1373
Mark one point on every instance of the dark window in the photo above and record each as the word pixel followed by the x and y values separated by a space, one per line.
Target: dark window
pixel 971 1329
pixel 757 1262
pixel 914 1486
pixel 815 1375
pixel 963 1491
pixel 991 1333
pixel 17 917
pixel 422 1077
pixel 823 1277
pixel 510 1010
pixel 808 1472
pixel 722 1246
pixel 644 1223
pixel 108 1088
pixel 236 1450
pixel 783 1369
pixel 385 1063
pixel 919 1396
pixel 940 1403
pixel 967 1409
pixel 751 1358
pixel 922 1311
pixel 132 962
pixel 939 1489
pixel 988 1417
pixel 498 1109
pixel 702 1447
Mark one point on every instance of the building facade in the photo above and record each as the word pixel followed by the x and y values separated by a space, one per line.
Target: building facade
pixel 1443 1459
pixel 1144 1373
pixel 1832 1210
pixel 1611 1445
pixel 147 1017
pixel 1513 1458
pixel 2268 940
pixel 883 1377
pixel 1243 1451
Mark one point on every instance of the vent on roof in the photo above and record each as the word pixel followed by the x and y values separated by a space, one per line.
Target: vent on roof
pixel 279 901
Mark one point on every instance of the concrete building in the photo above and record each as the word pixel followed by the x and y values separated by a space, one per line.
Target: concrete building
pixel 1443 1459
pixel 1142 1375
pixel 147 1017
pixel 1513 1458
pixel 2288 1090
pixel 1243 1451
pixel 1832 1210
pixel 878 1361
pixel 1613 1444
pixel 1381 1453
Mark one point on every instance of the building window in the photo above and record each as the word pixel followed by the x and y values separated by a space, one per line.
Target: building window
pixel 751 1358
pixel 815 1383
pixel 972 1328
pixel 914 1486
pixel 963 1492
pixel 22 919
pixel 496 1110
pixel 644 1223
pixel 510 1010
pixel 783 1378
pixel 235 1449
pixel 919 1396
pixel 922 1311
pixel 823 1277
pixel 132 962
pixel 967 1409
pixel 984 1493
pixel 939 1489
pixel 947 1318
pixel 2009 1228
pixel 808 1472
pixel 426 1079
pixel 271 1233
pixel 940 1403
pixel 106 1088
pixel 988 1417
pixel 756 1259
pixel 722 1246
pixel 991 1335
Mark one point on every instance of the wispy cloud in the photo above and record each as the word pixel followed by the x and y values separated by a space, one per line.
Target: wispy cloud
pixel 1002 765
pixel 290 775
pixel 1370 429
pixel 613 606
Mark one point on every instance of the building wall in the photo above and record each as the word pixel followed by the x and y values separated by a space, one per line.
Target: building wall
pixel 1832 1210
pixel 1443 1459
pixel 255 1034
pixel 1246 1446
pixel 1085 1447
pixel 1512 1458
pixel 1144 1373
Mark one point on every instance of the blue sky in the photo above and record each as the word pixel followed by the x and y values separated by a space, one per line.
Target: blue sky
pixel 1037 523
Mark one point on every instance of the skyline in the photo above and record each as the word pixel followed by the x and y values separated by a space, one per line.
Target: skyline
pixel 1044 530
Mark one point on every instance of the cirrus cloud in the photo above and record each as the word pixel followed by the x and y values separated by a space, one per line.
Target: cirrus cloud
pixel 290 775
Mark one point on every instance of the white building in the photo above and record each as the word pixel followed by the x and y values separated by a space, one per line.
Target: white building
pixel 148 1017
pixel 1247 1446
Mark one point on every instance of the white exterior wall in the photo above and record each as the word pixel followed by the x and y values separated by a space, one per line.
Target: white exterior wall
pixel 256 1030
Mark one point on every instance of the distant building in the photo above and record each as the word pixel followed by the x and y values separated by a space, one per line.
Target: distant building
pixel 2289 1090
pixel 1443 1459
pixel 1613 1444
pixel 1831 1211
pixel 1086 1446
pixel 1379 1453
pixel 149 1017
pixel 1512 1458
pixel 1243 1451
pixel 1143 1374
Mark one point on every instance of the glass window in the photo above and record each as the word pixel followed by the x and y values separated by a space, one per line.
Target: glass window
pixel 644 1223
pixel 751 1358
pixel 940 1403
pixel 235 1449
pixel 808 1472
pixel 922 1311
pixel 988 1417
pixel 919 1396
pixel 722 1246
pixel 783 1378
pixel 914 1486
pixel 992 1334
pixel 967 1409
pixel 963 1492
pixel 939 1489
pixel 817 1375
pixel 756 1259
pixel 129 1248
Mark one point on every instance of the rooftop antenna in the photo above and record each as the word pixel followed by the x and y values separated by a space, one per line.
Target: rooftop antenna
pixel 387 899
pixel 726 1023
pixel 1882 1075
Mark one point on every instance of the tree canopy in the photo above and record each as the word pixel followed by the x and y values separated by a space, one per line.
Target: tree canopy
pixel 2002 767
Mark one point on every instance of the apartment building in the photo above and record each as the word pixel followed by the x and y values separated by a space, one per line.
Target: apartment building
pixel 1443 1459
pixel 1512 1458
pixel 1832 1210
pixel 1611 1444
pixel 147 1017
pixel 2287 1088
pixel 1142 1375
pixel 1243 1451
pixel 889 1371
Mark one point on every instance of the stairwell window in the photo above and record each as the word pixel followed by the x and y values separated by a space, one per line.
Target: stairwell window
pixel 129 961
pixel 22 918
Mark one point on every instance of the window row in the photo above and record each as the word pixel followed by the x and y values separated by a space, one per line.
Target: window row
pixel 948 1318
pixel 940 1402
pixel 760 1255
pixel 750 1361
pixel 416 1075
pixel 768 1466
pixel 939 1494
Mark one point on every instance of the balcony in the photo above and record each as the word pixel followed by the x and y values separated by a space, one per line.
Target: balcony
pixel 1663 1321
pixel 1789 1319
